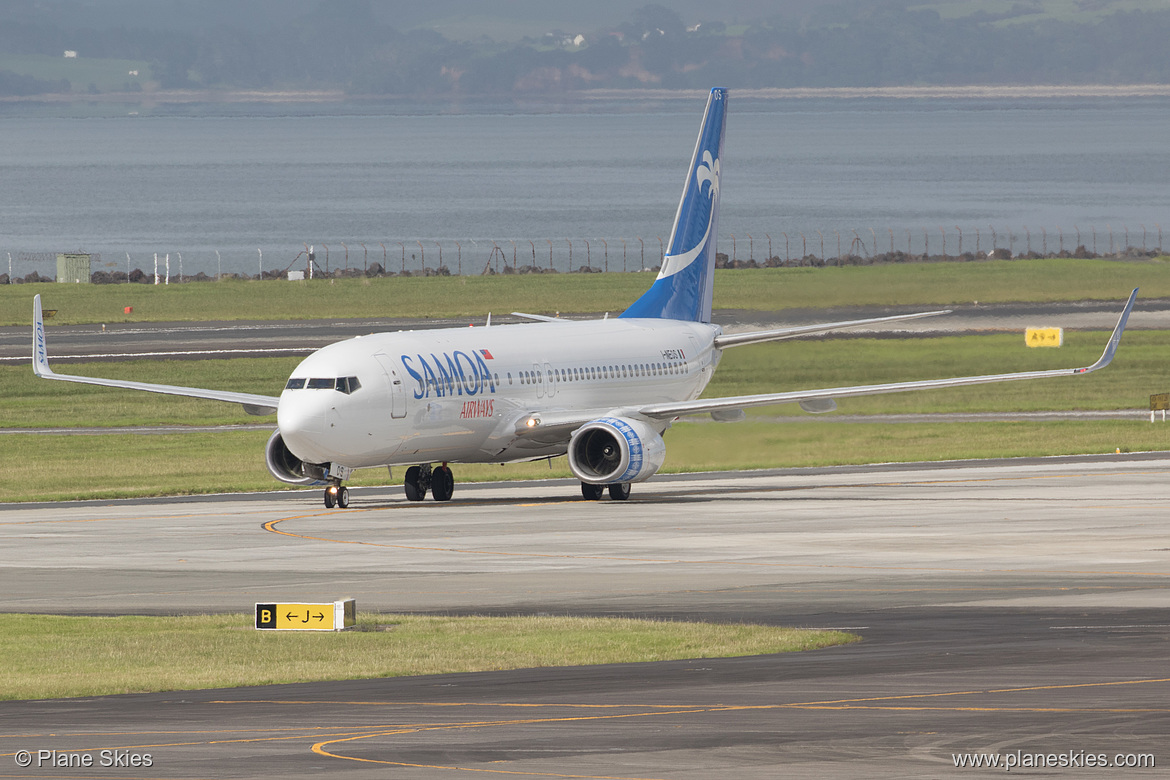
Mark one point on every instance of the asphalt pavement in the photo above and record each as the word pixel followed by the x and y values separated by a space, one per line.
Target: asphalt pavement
pixel 1010 608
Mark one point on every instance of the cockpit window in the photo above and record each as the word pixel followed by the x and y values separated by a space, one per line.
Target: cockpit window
pixel 342 384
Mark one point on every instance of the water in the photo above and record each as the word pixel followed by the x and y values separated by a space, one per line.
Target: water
pixel 847 168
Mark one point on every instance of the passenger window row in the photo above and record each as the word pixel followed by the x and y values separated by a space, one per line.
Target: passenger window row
pixel 591 373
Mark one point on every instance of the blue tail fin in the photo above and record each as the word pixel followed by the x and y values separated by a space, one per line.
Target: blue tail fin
pixel 683 288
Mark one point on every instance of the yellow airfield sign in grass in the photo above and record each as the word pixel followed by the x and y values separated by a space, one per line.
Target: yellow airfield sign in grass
pixel 1044 337
pixel 334 616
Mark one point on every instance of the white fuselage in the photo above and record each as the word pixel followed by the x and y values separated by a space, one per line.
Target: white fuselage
pixel 458 394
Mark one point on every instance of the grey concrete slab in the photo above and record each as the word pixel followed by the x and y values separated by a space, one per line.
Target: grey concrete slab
pixel 979 534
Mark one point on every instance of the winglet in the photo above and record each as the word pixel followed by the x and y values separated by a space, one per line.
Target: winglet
pixel 40 356
pixel 1111 348
pixel 253 404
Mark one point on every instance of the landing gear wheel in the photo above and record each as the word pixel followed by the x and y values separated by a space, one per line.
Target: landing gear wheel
pixel 329 497
pixel 442 483
pixel 343 497
pixel 416 489
pixel 592 492
pixel 619 491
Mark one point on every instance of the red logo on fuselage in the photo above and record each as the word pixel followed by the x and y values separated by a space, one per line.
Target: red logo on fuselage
pixel 477 409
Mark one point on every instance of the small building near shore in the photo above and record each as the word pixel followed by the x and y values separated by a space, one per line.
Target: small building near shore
pixel 73 268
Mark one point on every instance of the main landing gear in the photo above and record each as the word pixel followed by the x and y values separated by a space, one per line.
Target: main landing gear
pixel 438 480
pixel 618 491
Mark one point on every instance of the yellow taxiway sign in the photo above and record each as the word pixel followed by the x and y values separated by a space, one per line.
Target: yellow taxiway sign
pixel 336 616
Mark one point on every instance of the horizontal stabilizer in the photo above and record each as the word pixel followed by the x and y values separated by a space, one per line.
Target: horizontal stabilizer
pixel 537 317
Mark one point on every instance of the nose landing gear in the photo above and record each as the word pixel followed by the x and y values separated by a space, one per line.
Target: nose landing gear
pixel 337 494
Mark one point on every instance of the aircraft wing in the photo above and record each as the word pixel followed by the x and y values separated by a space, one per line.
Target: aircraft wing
pixel 821 398
pixel 253 404
pixel 756 337
pixel 554 426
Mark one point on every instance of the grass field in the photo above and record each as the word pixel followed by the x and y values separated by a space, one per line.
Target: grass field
pixel 764 289
pixel 51 656
pixel 43 467
pixel 1137 372
pixel 111 465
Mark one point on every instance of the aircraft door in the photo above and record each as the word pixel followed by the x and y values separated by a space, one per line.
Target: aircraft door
pixel 397 388
pixel 550 380
pixel 542 382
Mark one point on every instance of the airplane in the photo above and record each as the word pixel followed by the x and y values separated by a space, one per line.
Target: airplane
pixel 602 392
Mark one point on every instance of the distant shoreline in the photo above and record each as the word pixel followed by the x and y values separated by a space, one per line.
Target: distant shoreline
pixel 973 92
pixel 910 92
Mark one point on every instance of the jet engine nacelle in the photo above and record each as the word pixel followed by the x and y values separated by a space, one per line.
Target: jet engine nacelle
pixel 613 449
pixel 287 467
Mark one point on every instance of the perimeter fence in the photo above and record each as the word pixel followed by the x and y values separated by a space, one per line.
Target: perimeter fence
pixel 451 257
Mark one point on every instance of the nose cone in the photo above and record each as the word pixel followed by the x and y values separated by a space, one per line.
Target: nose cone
pixel 300 416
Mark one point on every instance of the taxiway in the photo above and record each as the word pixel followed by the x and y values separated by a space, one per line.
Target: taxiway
pixel 1005 606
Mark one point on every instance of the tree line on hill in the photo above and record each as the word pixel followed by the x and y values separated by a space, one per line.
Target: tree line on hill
pixel 352 47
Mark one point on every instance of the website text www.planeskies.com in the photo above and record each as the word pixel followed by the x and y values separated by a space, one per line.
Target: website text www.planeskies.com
pixel 1068 759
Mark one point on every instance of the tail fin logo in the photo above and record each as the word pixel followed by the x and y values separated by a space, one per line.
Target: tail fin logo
pixel 708 171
